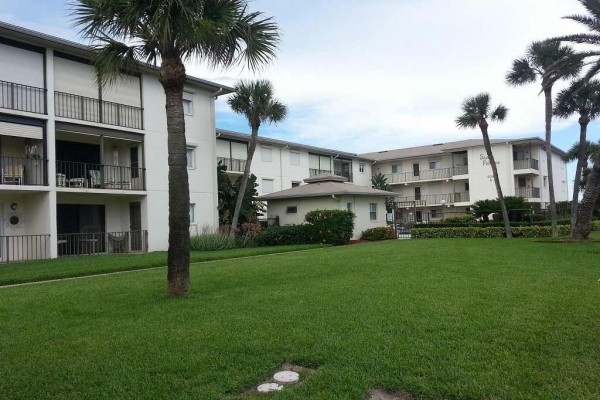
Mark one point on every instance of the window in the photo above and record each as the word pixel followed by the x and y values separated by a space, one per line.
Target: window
pixel 192 213
pixel 291 210
pixel 435 165
pixel 361 168
pixel 466 186
pixel 396 169
pixel 266 154
pixel 191 157
pixel 294 158
pixel 518 155
pixel 416 169
pixel 349 206
pixel 417 193
pixel 435 214
pixel 521 182
pixel 295 184
pixel 135 162
pixel 545 181
pixel 419 216
pixel 267 185
pixel 373 211
pixel 188 104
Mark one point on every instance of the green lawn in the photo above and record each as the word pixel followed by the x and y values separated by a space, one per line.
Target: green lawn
pixel 441 319
pixel 67 267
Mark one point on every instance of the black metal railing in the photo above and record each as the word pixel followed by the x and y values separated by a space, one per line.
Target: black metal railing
pixel 24 248
pixel 345 174
pixel 15 96
pixel 98 176
pixel 69 105
pixel 527 163
pixel 432 199
pixel 232 164
pixel 23 171
pixel 74 244
pixel 528 192
pixel 314 172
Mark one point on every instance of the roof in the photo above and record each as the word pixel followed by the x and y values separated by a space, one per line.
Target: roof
pixel 29 36
pixel 244 137
pixel 441 148
pixel 325 185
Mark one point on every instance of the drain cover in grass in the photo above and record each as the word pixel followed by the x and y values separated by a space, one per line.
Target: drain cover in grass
pixel 269 387
pixel 288 377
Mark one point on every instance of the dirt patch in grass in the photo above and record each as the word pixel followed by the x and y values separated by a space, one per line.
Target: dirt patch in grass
pixel 380 394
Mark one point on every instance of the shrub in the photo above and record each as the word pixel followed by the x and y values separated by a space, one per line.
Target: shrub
pixel 490 224
pixel 332 226
pixel 596 225
pixel 381 233
pixel 287 235
pixel 212 242
pixel 486 232
pixel 458 219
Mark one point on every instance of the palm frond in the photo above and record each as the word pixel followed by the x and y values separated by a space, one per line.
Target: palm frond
pixel 499 113
pixel 255 100
pixel 113 57
pixel 521 73
pixel 466 121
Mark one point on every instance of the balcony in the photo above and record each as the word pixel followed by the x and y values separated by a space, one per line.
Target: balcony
pixel 68 105
pixel 19 171
pixel 314 172
pixel 14 96
pixel 74 244
pixel 99 176
pixel 528 192
pixel 427 175
pixel 232 164
pixel 24 248
pixel 434 199
pixel 345 174
pixel 527 163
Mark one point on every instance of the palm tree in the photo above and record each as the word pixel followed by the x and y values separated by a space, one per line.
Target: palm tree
pixel 582 98
pixel 253 99
pixel 476 111
pixel 550 61
pixel 380 182
pixel 590 196
pixel 169 32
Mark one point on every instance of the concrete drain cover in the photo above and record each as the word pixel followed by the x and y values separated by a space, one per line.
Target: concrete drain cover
pixel 288 377
pixel 269 387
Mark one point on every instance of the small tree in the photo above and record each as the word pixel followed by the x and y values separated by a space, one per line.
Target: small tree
pixel 483 208
pixel 380 182
pixel 476 111
pixel 228 193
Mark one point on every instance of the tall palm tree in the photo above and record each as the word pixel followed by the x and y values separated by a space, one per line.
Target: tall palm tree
pixel 221 33
pixel 581 98
pixel 254 100
pixel 476 111
pixel 550 62
pixel 591 196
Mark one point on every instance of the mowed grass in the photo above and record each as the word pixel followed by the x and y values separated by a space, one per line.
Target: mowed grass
pixel 68 267
pixel 441 319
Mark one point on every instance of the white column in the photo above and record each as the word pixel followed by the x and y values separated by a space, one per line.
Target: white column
pixel 51 152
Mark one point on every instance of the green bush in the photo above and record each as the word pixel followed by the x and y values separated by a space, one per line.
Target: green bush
pixel 490 224
pixel 486 232
pixel 213 242
pixel 381 233
pixel 332 226
pixel 459 219
pixel 287 235
pixel 596 225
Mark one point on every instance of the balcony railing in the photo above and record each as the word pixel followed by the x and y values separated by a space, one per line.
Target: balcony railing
pixel 314 172
pixel 93 110
pixel 23 171
pixel 99 176
pixel 345 174
pixel 15 96
pixel 528 192
pixel 427 175
pixel 24 248
pixel 434 199
pixel 73 244
pixel 232 164
pixel 527 163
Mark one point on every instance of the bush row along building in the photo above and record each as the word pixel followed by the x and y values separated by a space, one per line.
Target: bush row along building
pixel 84 168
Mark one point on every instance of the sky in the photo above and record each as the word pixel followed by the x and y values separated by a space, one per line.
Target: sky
pixel 363 76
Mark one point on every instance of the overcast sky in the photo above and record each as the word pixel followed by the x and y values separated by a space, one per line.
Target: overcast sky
pixel 363 75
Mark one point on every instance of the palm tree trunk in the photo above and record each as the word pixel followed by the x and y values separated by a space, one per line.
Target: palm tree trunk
pixel 488 149
pixel 172 78
pixel 548 97
pixel 588 203
pixel 244 183
pixel 581 160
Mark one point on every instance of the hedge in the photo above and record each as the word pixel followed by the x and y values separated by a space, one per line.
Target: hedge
pixel 490 224
pixel 486 232
pixel 375 234
pixel 287 235
pixel 332 226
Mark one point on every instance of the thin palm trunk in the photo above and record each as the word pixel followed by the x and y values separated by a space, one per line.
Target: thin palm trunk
pixel 581 160
pixel 172 78
pixel 488 149
pixel 244 183
pixel 548 97
pixel 588 203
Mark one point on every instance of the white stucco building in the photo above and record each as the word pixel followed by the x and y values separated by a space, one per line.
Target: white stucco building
pixel 84 169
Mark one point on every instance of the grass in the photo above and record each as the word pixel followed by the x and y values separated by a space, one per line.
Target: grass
pixel 68 267
pixel 441 319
